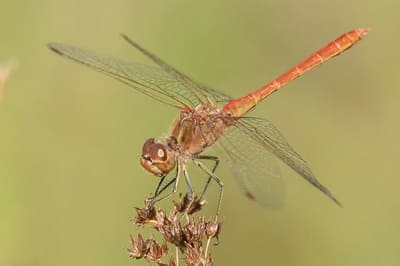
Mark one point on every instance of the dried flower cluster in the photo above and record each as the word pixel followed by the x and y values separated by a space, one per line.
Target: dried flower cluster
pixel 190 235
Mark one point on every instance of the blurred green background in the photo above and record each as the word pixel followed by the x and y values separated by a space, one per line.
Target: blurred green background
pixel 70 138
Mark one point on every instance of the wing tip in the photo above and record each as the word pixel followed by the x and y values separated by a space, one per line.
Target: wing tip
pixel 338 203
pixel 124 36
pixel 130 41
pixel 53 47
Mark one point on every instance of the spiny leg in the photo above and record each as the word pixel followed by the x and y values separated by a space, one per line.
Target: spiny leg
pixel 158 191
pixel 188 183
pixel 190 192
pixel 219 182
pixel 164 187
pixel 215 159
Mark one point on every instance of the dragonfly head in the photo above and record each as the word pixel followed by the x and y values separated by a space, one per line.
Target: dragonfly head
pixel 157 158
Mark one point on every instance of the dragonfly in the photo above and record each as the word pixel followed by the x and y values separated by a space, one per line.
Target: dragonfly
pixel 209 118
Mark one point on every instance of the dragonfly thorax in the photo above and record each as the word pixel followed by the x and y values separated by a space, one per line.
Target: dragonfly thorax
pixel 198 128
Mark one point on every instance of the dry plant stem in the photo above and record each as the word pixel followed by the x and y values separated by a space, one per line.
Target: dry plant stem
pixel 177 256
pixel 207 246
pixel 190 236
pixel 6 71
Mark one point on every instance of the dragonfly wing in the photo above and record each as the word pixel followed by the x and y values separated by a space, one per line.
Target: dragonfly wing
pixel 254 168
pixel 215 95
pixel 200 91
pixel 163 84
pixel 152 81
pixel 266 135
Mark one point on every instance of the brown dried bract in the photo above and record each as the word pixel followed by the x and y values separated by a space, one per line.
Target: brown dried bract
pixel 195 232
pixel 189 206
pixel 170 227
pixel 148 249
pixel 213 229
pixel 145 216
pixel 194 256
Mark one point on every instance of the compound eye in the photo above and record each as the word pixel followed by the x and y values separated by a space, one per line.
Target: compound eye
pixel 158 153
pixel 154 152
pixel 147 146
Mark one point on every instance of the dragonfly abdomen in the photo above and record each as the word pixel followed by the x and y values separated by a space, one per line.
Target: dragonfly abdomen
pixel 242 105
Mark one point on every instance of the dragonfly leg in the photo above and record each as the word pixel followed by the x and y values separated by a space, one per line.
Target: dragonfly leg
pixel 190 191
pixel 188 183
pixel 216 179
pixel 216 161
pixel 207 157
pixel 158 191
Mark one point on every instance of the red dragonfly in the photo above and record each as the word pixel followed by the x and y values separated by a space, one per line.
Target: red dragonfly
pixel 211 118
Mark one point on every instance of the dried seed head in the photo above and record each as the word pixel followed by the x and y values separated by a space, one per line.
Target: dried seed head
pixel 145 216
pixel 173 235
pixel 187 234
pixel 194 256
pixel 148 249
pixel 213 229
pixel 138 247
pixel 156 252
pixel 189 206
pixel 195 232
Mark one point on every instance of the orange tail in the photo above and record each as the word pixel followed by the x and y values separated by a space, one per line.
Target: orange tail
pixel 242 105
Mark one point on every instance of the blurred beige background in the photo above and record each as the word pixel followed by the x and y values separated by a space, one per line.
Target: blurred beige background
pixel 70 138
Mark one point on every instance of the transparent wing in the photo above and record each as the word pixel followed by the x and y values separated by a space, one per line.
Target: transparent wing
pixel 254 167
pixel 215 95
pixel 202 93
pixel 267 136
pixel 164 84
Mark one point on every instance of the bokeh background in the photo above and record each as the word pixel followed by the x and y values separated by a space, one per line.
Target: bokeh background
pixel 70 138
